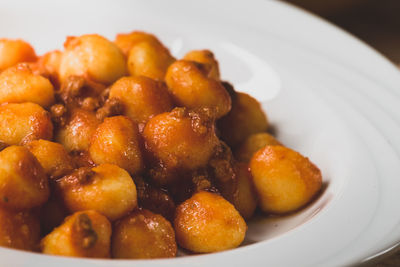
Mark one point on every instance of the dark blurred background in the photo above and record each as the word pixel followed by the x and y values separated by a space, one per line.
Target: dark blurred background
pixel 376 22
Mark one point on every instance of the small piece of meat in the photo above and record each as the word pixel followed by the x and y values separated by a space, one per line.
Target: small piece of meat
pixel 221 168
pixel 155 199
pixel 83 225
pixel 78 177
pixel 82 159
pixel 58 113
pixel 112 107
pixel 81 91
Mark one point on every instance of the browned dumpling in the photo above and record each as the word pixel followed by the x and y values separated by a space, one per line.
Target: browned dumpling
pixel 208 223
pixel 23 183
pixel 150 59
pixel 53 157
pixel 125 41
pixel 92 56
pixel 191 87
pixel 19 84
pixel 246 198
pixel 252 144
pixel 79 128
pixel 19 229
pixel 22 123
pixel 116 141
pixel 142 97
pixel 245 118
pixel 180 139
pixel 117 149
pixel 48 66
pixel 15 51
pixel 143 235
pixel 285 180
pixel 83 234
pixel 205 57
pixel 106 188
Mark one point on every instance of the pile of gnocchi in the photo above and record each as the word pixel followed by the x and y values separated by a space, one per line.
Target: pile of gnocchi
pixel 120 150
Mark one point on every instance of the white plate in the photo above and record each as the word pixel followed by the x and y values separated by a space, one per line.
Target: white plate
pixel 329 96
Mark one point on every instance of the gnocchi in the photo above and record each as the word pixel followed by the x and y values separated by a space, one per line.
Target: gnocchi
pixel 19 84
pixel 121 150
pixel 25 122
pixel 15 51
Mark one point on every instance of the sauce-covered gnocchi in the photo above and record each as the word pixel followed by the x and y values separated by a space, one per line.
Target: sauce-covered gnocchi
pixel 118 149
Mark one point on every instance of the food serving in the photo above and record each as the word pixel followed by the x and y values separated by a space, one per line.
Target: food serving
pixel 118 149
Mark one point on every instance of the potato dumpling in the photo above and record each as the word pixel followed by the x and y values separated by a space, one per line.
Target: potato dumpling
pixel 150 59
pixel 208 223
pixel 15 51
pixel 22 123
pixel 205 57
pixel 125 41
pixel 245 118
pixel 106 188
pixel 79 128
pixel 246 199
pixel 192 88
pixel 116 141
pixel 19 84
pixel 53 157
pixel 143 235
pixel 19 229
pixel 49 64
pixel 23 183
pixel 83 234
pixel 252 144
pixel 180 139
pixel 93 56
pixel 142 97
pixel 285 180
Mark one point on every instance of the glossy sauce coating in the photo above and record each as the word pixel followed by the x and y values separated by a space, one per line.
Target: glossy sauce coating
pixel 142 98
pixel 23 182
pixel 125 41
pixel 93 56
pixel 117 141
pixel 19 229
pixel 19 84
pixel 76 134
pixel 205 57
pixel 143 235
pixel 15 51
pixel 284 179
pixel 22 123
pixel 191 87
pixel 150 59
pixel 118 149
pixel 53 157
pixel 106 188
pixel 180 139
pixel 208 223
pixel 83 234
